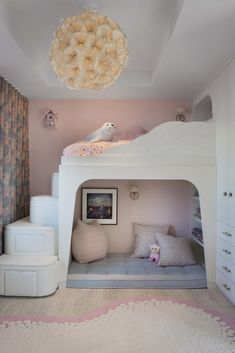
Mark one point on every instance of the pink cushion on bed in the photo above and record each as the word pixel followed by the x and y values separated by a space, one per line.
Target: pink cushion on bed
pixel 130 134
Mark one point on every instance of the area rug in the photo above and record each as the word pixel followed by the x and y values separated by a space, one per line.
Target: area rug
pixel 139 325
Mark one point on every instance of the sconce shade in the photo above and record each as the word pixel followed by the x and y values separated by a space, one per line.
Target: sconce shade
pixel 180 110
pixel 180 113
pixel 134 192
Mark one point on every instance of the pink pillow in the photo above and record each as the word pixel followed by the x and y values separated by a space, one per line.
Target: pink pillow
pixel 131 133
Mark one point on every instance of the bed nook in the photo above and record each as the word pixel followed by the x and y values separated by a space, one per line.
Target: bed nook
pixel 173 151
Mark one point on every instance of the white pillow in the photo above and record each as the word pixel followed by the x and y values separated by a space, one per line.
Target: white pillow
pixel 145 235
pixel 89 242
pixel 175 251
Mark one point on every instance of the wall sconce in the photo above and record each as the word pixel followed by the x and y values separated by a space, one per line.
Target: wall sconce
pixel 49 119
pixel 134 192
pixel 180 111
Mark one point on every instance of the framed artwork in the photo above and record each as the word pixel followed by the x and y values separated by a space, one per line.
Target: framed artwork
pixel 99 204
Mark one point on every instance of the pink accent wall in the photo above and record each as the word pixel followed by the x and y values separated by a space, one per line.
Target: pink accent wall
pixel 76 119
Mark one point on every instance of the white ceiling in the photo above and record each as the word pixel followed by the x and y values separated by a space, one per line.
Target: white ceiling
pixel 175 46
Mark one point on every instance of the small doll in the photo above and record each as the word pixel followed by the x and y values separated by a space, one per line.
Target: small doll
pixel 155 253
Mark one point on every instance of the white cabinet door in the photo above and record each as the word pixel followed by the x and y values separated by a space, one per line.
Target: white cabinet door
pixel 221 115
pixel 231 190
pixel 20 283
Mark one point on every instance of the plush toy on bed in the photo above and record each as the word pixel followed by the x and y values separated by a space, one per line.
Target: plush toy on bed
pixel 105 133
pixel 155 253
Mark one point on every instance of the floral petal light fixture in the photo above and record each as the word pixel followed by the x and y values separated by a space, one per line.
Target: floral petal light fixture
pixel 89 51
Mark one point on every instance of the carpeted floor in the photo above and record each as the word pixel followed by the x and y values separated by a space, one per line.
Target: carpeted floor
pixel 144 324
pixel 76 302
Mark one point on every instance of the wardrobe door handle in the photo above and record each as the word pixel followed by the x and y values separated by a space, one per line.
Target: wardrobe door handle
pixel 225 193
pixel 227 251
pixel 226 286
pixel 230 194
pixel 227 234
pixel 226 269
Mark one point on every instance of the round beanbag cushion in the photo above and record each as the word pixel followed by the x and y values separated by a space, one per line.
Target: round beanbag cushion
pixel 89 242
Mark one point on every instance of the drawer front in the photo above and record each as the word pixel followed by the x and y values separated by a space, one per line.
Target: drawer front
pixel 226 233
pixel 226 267
pixel 226 286
pixel 226 250
pixel 29 243
pixel 20 283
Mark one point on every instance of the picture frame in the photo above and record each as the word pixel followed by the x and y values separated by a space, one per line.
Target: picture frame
pixel 99 204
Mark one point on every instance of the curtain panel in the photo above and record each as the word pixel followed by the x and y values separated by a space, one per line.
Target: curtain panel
pixel 14 156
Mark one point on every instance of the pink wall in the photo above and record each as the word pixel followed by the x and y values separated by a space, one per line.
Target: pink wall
pixel 160 202
pixel 76 118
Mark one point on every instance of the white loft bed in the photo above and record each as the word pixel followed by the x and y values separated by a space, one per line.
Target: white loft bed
pixel 171 151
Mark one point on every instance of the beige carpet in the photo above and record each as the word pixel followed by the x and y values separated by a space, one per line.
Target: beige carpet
pixel 136 325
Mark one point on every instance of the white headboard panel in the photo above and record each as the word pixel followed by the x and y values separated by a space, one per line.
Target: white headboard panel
pixel 173 139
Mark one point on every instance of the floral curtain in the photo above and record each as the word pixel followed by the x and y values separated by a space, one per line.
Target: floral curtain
pixel 14 156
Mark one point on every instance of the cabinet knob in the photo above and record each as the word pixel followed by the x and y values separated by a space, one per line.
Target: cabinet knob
pixel 227 251
pixel 225 193
pixel 230 194
pixel 226 286
pixel 226 269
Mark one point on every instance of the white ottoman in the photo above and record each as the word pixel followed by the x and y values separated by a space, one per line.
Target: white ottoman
pixel 25 238
pixel 30 276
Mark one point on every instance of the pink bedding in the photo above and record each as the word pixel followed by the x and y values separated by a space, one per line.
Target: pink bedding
pixel 86 148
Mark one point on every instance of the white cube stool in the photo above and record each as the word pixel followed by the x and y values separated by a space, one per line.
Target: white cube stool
pixel 25 238
pixel 30 276
pixel 44 210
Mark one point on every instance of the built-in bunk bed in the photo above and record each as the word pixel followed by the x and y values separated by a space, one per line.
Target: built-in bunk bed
pixel 171 151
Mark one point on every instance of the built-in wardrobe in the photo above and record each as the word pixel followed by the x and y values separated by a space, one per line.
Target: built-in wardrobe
pixel 218 101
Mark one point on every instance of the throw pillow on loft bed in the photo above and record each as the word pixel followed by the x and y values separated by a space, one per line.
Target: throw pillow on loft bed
pixel 89 242
pixel 174 251
pixel 145 235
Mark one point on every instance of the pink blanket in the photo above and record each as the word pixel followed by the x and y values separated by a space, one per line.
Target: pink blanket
pixel 86 148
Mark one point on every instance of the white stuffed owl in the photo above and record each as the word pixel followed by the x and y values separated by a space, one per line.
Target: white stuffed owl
pixel 104 133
